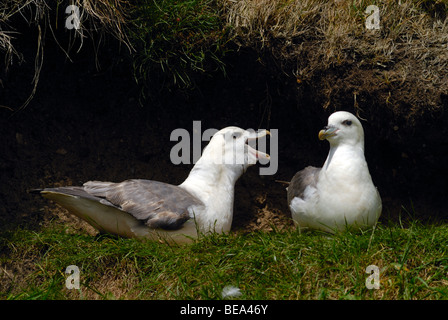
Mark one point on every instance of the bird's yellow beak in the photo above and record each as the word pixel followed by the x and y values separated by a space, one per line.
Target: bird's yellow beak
pixel 327 132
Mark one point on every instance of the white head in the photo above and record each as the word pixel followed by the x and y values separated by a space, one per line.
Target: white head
pixel 343 128
pixel 229 147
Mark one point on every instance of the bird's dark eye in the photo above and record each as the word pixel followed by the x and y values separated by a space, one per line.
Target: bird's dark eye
pixel 232 135
pixel 347 122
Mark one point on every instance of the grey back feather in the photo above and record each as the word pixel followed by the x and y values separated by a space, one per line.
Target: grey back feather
pixel 302 179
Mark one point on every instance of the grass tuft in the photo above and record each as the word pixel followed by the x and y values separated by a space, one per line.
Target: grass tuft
pixel 176 39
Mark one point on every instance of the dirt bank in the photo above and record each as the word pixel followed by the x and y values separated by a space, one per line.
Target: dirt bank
pixel 87 123
pixel 83 124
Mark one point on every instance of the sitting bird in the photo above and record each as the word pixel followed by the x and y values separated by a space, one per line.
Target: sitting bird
pixel 139 208
pixel 341 194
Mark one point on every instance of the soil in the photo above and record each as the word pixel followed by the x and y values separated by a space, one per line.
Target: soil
pixel 86 123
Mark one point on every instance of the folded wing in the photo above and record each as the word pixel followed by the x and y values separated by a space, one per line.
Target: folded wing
pixel 156 204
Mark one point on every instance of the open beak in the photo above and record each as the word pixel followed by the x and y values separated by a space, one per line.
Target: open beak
pixel 327 132
pixel 257 135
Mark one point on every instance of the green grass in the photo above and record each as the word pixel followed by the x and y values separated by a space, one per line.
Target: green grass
pixel 175 39
pixel 413 263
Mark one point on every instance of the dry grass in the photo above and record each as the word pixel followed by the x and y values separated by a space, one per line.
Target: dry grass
pixel 96 16
pixel 336 30
pixel 408 56
pixel 107 15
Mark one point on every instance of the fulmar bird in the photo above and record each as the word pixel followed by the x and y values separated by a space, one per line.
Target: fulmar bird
pixel 341 194
pixel 138 208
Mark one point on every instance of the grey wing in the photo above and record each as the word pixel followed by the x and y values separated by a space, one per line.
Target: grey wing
pixel 157 204
pixel 301 180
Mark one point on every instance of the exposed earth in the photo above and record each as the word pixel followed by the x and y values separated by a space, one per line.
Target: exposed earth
pixel 85 124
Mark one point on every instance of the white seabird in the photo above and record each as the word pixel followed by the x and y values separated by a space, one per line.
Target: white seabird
pixel 341 194
pixel 138 208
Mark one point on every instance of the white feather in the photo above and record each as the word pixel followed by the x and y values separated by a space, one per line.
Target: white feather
pixel 230 292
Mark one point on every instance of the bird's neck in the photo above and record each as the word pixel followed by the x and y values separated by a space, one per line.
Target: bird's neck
pixel 214 186
pixel 347 162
